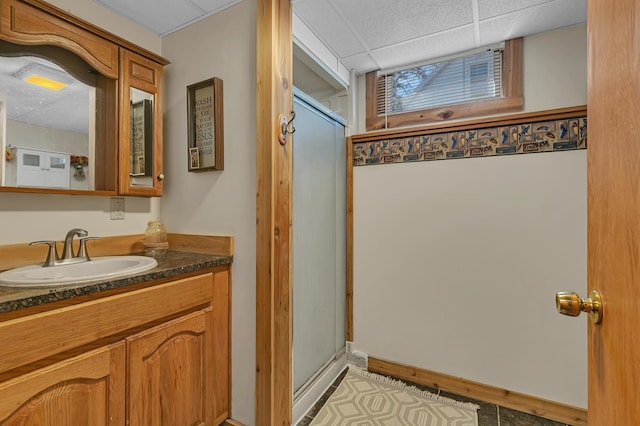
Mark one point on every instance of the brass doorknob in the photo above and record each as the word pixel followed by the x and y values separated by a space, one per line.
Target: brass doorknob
pixel 569 303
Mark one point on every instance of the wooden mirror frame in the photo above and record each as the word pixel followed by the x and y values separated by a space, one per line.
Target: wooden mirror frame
pixel 37 23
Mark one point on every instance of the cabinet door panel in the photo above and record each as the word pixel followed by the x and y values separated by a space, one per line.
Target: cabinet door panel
pixel 24 24
pixel 169 374
pixel 84 390
pixel 141 171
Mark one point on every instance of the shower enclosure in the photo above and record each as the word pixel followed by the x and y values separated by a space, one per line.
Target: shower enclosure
pixel 319 242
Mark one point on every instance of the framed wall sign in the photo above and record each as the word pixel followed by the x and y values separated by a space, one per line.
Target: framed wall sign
pixel 205 126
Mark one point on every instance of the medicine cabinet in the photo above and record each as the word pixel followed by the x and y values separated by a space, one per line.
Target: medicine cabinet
pixel 69 87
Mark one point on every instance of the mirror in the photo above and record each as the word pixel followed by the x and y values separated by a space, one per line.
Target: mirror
pixel 141 138
pixel 45 110
pixel 53 119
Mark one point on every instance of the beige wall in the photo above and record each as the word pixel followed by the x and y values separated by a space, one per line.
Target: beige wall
pixel 457 262
pixel 30 136
pixel 210 202
pixel 513 354
pixel 29 217
pixel 106 19
pixel 219 202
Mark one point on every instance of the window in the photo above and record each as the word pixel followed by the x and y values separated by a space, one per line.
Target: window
pixel 473 85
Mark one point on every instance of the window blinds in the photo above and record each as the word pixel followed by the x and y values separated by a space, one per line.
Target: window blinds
pixel 464 79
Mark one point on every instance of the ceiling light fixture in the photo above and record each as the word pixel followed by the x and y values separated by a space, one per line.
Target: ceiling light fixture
pixel 47 83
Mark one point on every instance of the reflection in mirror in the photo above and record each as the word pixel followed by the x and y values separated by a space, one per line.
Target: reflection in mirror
pixel 141 139
pixel 47 122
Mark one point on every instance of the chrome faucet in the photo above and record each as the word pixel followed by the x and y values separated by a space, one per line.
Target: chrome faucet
pixel 67 250
pixel 68 256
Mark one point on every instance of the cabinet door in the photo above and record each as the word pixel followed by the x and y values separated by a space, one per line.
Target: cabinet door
pixel 170 376
pixel 141 170
pixel 84 390
pixel 30 169
pixel 57 173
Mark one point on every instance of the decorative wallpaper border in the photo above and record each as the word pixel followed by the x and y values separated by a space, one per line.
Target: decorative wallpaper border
pixel 530 137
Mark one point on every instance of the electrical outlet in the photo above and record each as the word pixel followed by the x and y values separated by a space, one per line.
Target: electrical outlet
pixel 117 208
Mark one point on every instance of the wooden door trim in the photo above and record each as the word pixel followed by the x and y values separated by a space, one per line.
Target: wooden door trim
pixel 274 101
pixel 613 208
pixel 349 230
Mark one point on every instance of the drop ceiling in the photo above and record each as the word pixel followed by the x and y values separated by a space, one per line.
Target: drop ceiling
pixel 65 109
pixel 364 35
pixel 368 35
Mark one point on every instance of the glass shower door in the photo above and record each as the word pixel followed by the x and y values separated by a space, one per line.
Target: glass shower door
pixel 319 239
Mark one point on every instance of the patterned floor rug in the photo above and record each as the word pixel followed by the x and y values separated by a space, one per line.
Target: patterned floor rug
pixel 367 399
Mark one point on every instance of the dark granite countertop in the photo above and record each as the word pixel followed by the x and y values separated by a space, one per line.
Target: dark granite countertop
pixel 170 264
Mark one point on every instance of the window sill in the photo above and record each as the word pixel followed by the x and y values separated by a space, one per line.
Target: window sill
pixel 447 113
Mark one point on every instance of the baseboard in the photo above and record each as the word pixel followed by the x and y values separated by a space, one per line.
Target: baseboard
pixel 517 401
pixel 230 422
pixel 305 401
pixel 357 358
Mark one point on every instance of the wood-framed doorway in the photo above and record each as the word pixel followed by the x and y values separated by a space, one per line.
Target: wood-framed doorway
pixel 274 103
pixel 613 194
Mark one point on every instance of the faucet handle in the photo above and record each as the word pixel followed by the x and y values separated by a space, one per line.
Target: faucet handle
pixel 52 254
pixel 82 250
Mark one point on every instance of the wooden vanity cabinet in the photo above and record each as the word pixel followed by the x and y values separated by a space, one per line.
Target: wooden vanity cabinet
pixel 156 356
pixel 88 389
pixel 170 363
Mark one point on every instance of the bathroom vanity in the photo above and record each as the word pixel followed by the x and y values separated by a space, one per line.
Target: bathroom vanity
pixel 147 349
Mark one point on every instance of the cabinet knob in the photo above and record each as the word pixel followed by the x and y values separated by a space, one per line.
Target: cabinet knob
pixel 161 177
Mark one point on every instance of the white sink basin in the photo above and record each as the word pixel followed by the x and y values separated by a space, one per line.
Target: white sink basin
pixel 97 269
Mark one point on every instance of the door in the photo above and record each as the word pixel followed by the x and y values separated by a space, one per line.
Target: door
pixel 169 378
pixel 58 172
pixel 613 167
pixel 84 390
pixel 31 168
pixel 319 239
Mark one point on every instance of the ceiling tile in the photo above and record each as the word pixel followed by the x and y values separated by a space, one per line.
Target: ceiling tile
pixel 382 22
pixel 491 8
pixel 160 16
pixel 212 6
pixel 362 63
pixel 545 17
pixel 426 48
pixel 367 34
pixel 323 20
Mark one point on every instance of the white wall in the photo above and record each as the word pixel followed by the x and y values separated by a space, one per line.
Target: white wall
pixel 24 135
pixel 456 262
pixel 30 217
pixel 219 202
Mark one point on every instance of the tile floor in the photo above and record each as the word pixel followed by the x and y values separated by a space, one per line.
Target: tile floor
pixel 488 414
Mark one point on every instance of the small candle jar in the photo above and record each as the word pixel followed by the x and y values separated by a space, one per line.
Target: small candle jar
pixel 155 238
